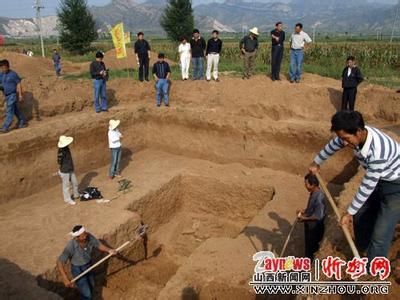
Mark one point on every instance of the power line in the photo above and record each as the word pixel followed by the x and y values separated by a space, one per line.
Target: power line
pixel 38 6
pixel 395 21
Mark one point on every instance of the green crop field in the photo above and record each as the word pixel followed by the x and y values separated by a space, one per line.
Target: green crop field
pixel 378 60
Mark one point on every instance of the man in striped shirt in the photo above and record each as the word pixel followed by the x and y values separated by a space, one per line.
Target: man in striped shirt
pixel 375 209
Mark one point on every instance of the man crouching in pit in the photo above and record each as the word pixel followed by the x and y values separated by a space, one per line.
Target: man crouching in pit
pixel 79 252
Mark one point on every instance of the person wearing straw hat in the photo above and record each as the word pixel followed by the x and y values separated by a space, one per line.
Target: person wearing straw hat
pixel 114 142
pixel 66 171
pixel 248 47
pixel 79 252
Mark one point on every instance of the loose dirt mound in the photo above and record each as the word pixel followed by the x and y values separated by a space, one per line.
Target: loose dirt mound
pixel 28 66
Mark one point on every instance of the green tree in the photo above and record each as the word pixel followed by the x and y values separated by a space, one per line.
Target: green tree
pixel 76 25
pixel 177 19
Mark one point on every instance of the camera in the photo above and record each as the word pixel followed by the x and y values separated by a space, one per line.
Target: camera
pixel 1 88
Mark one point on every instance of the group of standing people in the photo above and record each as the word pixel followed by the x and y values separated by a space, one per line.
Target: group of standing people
pixel 195 50
pixel 249 46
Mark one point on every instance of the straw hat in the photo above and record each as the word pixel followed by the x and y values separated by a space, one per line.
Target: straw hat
pixel 113 124
pixel 254 30
pixel 64 141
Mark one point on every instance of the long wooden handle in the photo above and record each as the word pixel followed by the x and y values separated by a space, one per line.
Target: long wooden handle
pixel 100 262
pixel 337 213
pixel 289 235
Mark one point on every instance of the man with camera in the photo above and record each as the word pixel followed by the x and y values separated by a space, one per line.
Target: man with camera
pixel 99 75
pixel 10 85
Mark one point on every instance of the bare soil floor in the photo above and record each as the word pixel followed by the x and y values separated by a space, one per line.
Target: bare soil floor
pixel 217 177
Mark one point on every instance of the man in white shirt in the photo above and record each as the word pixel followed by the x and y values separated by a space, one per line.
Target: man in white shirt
pixel 297 42
pixel 114 143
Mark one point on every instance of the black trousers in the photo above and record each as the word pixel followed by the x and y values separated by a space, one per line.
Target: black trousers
pixel 349 98
pixel 364 221
pixel 276 60
pixel 313 234
pixel 143 67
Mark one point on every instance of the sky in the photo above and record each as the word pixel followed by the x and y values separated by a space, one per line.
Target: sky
pixel 23 8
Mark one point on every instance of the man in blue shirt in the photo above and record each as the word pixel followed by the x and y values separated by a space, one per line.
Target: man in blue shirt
pixel 79 252
pixel 10 85
pixel 313 216
pixel 56 61
pixel 161 72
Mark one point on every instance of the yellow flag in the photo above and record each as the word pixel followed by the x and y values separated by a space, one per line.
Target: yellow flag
pixel 127 37
pixel 118 37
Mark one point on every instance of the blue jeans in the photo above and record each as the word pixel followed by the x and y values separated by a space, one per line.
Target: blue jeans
pixel 57 68
pixel 388 216
pixel 115 160
pixel 198 68
pixel 100 94
pixel 85 284
pixel 12 109
pixel 296 63
pixel 162 87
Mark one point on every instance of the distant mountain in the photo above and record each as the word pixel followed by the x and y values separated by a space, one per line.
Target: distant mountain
pixel 333 15
pixel 27 27
pixel 231 15
pixel 145 16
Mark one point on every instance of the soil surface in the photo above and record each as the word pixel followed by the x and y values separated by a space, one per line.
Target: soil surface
pixel 217 176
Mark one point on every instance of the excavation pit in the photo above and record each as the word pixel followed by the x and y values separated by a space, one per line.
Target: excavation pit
pixel 202 173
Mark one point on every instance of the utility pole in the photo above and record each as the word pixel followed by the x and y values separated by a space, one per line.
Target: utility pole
pixel 395 21
pixel 38 6
pixel 314 27
pixel 313 33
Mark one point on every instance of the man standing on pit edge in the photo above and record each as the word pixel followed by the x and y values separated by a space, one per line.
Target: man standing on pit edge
pixel 99 75
pixel 142 51
pixel 351 78
pixel 198 45
pixel 214 47
pixel 278 39
pixel 10 85
pixel 248 46
pixel 297 43
pixel 57 62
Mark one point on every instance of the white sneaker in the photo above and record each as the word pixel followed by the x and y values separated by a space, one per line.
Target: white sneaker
pixel 71 202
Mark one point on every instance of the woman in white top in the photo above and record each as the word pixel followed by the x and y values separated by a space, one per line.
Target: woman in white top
pixel 185 55
pixel 114 143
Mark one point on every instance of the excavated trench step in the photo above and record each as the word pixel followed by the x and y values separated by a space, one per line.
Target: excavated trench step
pixel 181 215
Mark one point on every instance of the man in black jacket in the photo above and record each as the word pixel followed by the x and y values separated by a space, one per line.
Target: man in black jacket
pixel 66 171
pixel 98 72
pixel 351 78
pixel 214 47
pixel 162 73
pixel 278 39
pixel 142 51
pixel 198 45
